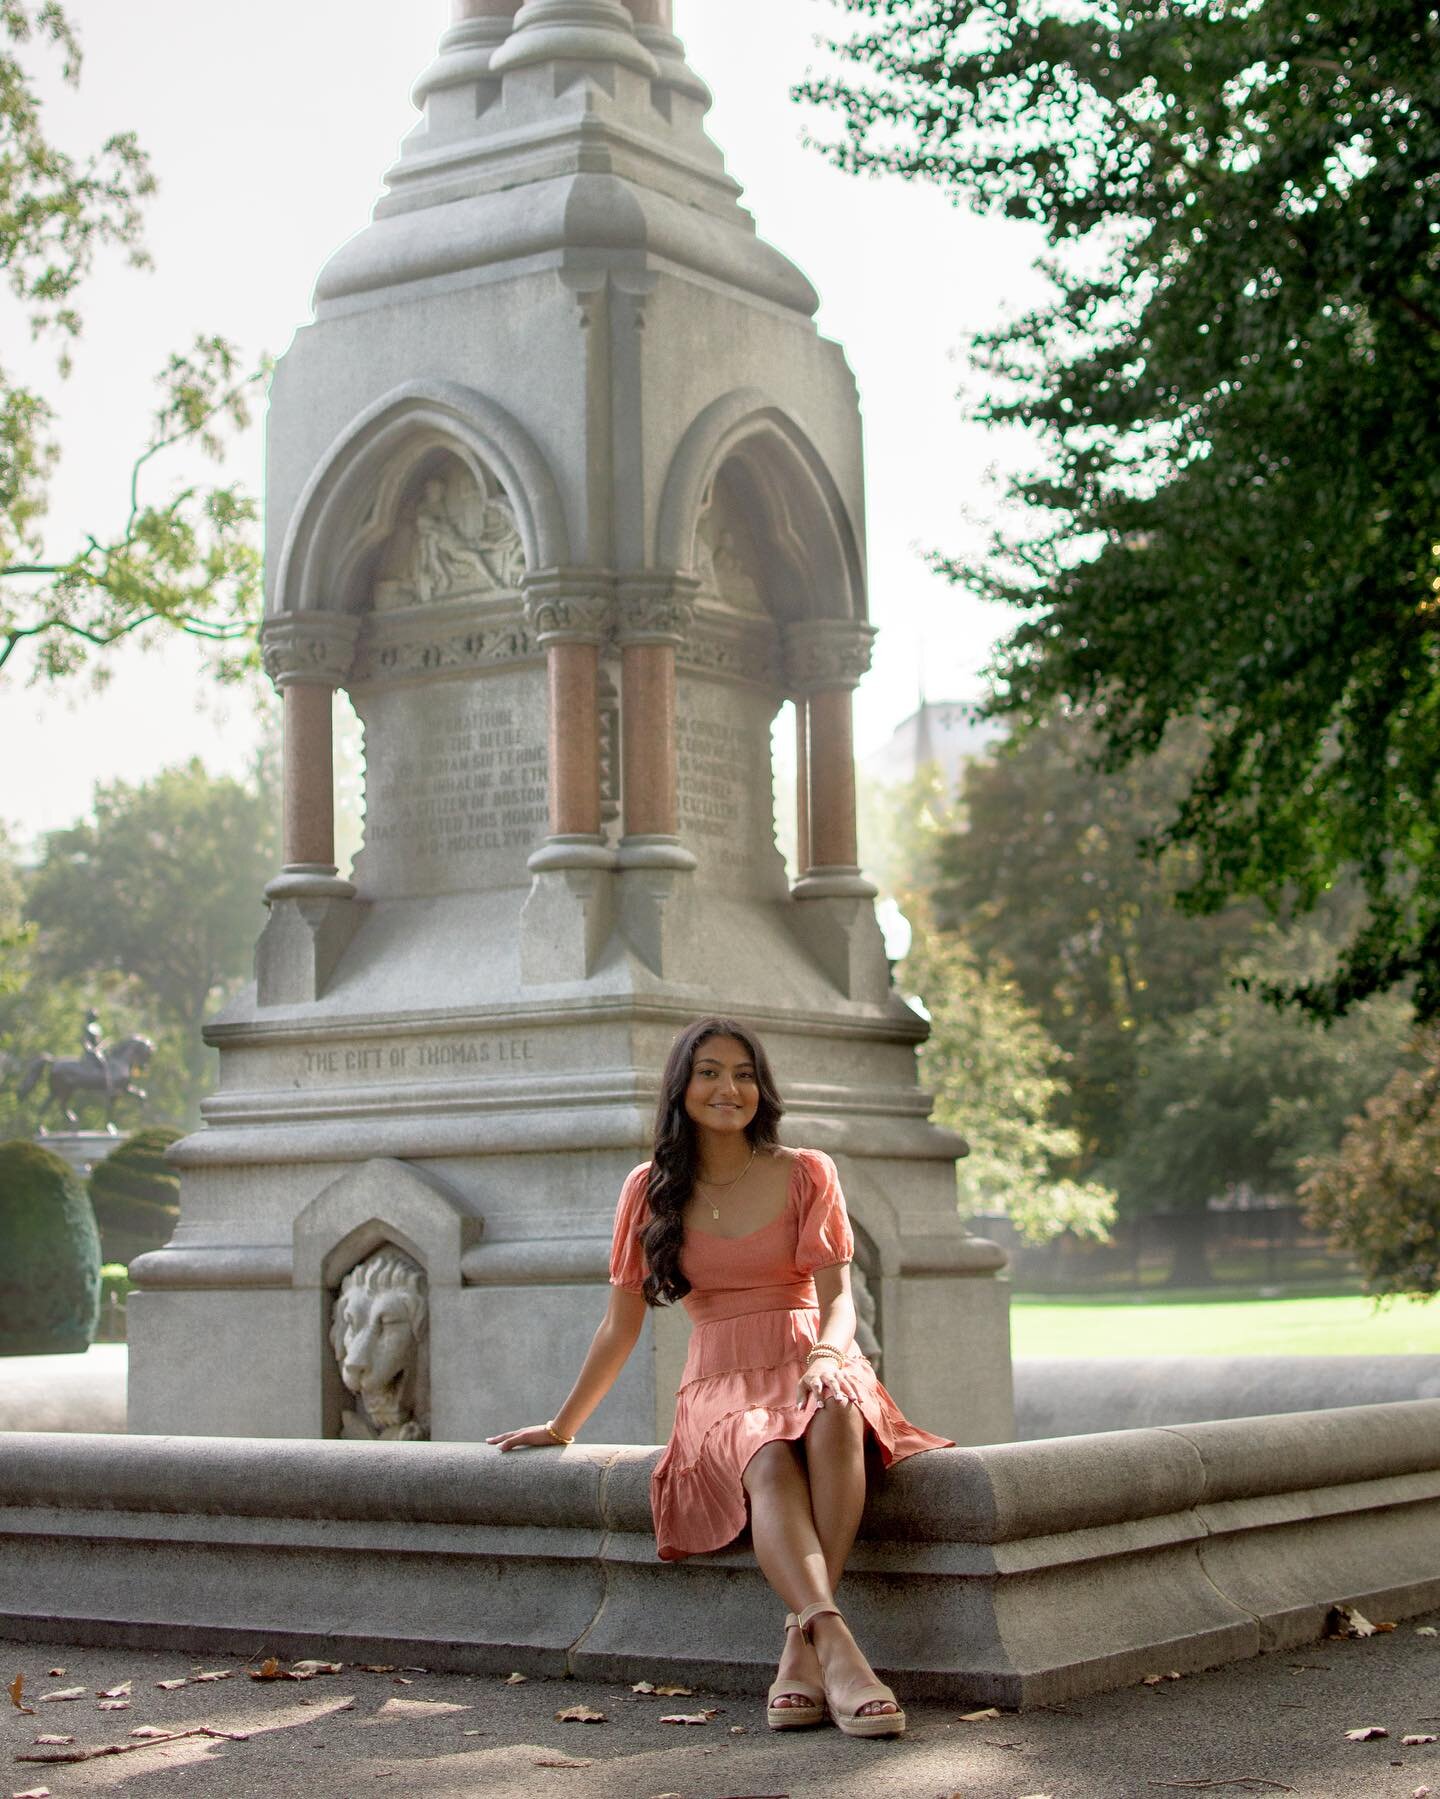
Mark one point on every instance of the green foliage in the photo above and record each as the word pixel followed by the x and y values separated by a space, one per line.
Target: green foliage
pixel 1048 878
pixel 162 887
pixel 1378 1194
pixel 189 560
pixel 49 1255
pixel 994 1074
pixel 135 1195
pixel 1237 386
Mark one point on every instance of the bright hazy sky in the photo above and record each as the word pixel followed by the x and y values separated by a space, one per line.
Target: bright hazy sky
pixel 270 125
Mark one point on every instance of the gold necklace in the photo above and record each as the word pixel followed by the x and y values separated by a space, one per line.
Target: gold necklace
pixel 728 1187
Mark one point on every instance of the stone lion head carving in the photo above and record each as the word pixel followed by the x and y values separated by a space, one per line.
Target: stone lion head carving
pixel 380 1333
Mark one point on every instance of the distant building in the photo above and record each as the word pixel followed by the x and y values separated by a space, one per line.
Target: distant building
pixel 939 732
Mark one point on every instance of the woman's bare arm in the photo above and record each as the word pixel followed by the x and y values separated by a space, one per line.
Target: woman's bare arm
pixel 609 1351
pixel 825 1377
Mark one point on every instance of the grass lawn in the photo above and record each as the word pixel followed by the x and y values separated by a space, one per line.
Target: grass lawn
pixel 1223 1322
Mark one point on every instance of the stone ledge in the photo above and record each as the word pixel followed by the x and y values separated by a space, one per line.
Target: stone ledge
pixel 1017 1574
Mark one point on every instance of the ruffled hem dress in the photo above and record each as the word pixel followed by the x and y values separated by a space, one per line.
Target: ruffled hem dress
pixel 755 1314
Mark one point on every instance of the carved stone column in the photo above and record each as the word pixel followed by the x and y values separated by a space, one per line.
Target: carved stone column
pixel 654 614
pixel 307 655
pixel 824 660
pixel 569 912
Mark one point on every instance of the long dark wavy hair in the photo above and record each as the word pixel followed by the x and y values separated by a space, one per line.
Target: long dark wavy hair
pixel 674 1154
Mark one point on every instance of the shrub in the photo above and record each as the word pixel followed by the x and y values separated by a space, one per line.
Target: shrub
pixel 49 1255
pixel 1379 1194
pixel 136 1197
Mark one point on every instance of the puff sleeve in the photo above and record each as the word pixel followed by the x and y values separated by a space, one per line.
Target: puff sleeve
pixel 627 1259
pixel 825 1237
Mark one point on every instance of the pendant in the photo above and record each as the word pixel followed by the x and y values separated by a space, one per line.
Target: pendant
pixel 715 1213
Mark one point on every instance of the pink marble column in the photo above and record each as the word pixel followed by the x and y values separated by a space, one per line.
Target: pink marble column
pixel 654 614
pixel 308 655
pixel 825 659
pixel 573 667
pixel 832 781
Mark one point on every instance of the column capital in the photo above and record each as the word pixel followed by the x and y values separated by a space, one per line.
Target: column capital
pixel 656 608
pixel 826 653
pixel 569 606
pixel 309 648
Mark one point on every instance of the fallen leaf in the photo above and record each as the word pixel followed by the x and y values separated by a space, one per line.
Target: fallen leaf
pixel 16 1690
pixel 269 1669
pixel 580 1714
pixel 303 1670
pixel 737 1730
pixel 113 1705
pixel 564 1761
pixel 54 1673
pixel 1421 1793
pixel 673 1692
pixel 141 1730
pixel 169 1686
pixel 420 1708
pixel 516 1680
pixel 32 1793
pixel 1345 1621
pixel 690 1717
pixel 1426 1630
pixel 1367 1735
pixel 643 1686
pixel 213 1674
pixel 984 1717
pixel 1414 1740
pixel 118 1692
pixel 374 1667
pixel 54 1742
pixel 63 1693
pixel 402 1680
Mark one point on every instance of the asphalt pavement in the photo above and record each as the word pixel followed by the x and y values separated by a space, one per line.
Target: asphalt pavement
pixel 1274 1725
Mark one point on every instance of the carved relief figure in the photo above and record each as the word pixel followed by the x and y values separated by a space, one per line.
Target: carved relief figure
pixel 724 558
pixel 454 540
pixel 380 1332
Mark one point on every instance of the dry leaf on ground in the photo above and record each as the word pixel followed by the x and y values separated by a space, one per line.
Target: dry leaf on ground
pixel 516 1680
pixel 981 1717
pixel 1421 1793
pixel 303 1670
pixel 643 1686
pixel 691 1717
pixel 170 1686
pixel 63 1693
pixel 580 1714
pixel 564 1761
pixel 208 1674
pixel 1416 1738
pixel 113 1705
pixel 148 1730
pixel 16 1690
pixel 32 1793
pixel 55 1673
pixel 1366 1735
pixel 54 1742
pixel 1426 1630
pixel 1345 1621
pixel 120 1691
pixel 374 1667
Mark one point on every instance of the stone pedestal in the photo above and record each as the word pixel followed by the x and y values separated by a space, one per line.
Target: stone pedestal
pixel 566 491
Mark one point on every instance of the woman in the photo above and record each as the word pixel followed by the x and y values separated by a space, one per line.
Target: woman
pixel 776 1401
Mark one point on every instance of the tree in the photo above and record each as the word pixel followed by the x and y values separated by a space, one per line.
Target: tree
pixel 163 887
pixel 1047 877
pixel 1237 387
pixel 1379 1192
pixel 994 1073
pixel 188 561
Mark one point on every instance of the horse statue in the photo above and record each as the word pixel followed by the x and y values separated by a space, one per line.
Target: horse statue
pixel 106 1074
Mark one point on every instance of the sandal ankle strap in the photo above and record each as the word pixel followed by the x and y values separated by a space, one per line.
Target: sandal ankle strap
pixel 818 1610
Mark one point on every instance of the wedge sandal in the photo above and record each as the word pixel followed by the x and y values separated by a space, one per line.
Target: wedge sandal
pixel 857 1722
pixel 794 1717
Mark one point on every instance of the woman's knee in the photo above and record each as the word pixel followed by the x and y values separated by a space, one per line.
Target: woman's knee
pixel 836 1429
pixel 772 1466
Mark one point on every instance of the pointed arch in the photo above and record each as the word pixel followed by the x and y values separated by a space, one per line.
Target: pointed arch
pixel 349 505
pixel 816 566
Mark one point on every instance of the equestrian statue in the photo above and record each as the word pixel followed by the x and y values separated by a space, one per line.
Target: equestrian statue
pixel 102 1072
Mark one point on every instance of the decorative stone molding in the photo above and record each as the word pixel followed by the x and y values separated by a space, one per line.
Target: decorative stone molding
pixel 314 648
pixel 575 31
pixel 574 608
pixel 402 646
pixel 656 609
pixel 717 643
pixel 826 652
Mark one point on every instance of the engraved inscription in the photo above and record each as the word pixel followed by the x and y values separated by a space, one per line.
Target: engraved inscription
pixel 450 1055
pixel 477 785
pixel 712 760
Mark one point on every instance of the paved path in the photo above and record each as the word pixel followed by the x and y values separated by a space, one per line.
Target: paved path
pixel 65 1392
pixel 1280 1720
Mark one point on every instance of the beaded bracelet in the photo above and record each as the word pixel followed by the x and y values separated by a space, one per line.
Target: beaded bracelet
pixel 554 1434
pixel 824 1349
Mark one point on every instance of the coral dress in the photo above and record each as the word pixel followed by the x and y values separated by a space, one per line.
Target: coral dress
pixel 753 1307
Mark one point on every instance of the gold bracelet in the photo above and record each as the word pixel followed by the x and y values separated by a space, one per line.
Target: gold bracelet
pixel 555 1436
pixel 824 1349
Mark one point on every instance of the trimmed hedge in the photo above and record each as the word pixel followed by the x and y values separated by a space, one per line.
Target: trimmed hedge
pixel 136 1197
pixel 49 1255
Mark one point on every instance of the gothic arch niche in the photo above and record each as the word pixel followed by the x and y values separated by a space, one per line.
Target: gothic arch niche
pixel 453 538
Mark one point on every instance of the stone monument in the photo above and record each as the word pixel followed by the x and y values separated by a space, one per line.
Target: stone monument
pixel 565 490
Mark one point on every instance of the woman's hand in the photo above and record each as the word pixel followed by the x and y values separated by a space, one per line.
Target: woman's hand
pixel 534 1436
pixel 825 1378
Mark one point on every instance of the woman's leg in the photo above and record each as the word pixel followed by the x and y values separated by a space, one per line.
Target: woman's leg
pixel 785 1534
pixel 835 1466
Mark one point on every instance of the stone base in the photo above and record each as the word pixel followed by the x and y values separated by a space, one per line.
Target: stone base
pixel 1023 1574
pixel 80 1149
